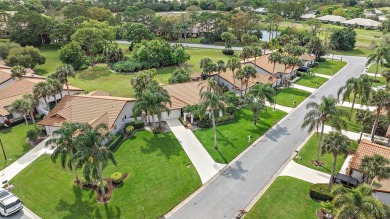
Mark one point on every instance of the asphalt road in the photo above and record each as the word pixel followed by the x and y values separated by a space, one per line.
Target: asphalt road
pixel 22 214
pixel 235 188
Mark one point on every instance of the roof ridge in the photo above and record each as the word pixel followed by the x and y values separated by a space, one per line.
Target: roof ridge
pixel 97 118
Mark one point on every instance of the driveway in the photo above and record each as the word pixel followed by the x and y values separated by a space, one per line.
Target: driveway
pixel 236 187
pixel 23 214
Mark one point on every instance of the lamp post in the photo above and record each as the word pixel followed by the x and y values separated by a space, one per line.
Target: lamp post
pixel 5 156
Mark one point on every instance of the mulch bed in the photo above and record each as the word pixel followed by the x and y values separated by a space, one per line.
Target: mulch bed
pixel 322 214
pixel 317 163
pixel 109 190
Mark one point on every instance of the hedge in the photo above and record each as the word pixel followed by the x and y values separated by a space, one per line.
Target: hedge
pixel 115 142
pixel 228 52
pixel 320 192
pixel 136 124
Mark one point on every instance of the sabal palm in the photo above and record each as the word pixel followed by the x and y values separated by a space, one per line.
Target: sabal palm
pixel 357 203
pixel 248 72
pixel 33 102
pixel 42 89
pixel 21 107
pixel 381 53
pixel 386 75
pixel 295 61
pixel 64 141
pixel 319 114
pixel 335 143
pixel 376 167
pixel 92 152
pixel 65 71
pixel 233 64
pixel 245 53
pixel 380 99
pixel 240 76
pixel 211 99
pixel 365 88
pixel 364 117
pixel 264 91
pixel 220 67
pixel 55 87
pixel 256 104
pixel 18 71
pixel 274 57
pixel 162 101
pixel 256 51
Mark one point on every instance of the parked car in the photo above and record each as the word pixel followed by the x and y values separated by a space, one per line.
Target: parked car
pixel 348 181
pixel 303 69
pixel 9 203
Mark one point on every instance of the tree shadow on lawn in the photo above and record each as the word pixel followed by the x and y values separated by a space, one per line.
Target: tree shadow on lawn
pixel 162 142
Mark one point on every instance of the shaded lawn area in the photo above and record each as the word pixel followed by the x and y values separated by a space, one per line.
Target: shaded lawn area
pixel 287 96
pixel 52 61
pixel 14 142
pixel 287 197
pixel 372 69
pixel 309 152
pixel 352 125
pixel 329 67
pixel 158 180
pixel 232 136
pixel 310 81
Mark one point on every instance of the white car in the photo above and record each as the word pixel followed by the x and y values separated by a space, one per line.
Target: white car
pixel 9 203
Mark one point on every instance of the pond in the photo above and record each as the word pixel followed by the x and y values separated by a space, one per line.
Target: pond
pixel 267 35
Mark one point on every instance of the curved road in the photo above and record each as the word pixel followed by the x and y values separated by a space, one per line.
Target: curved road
pixel 236 187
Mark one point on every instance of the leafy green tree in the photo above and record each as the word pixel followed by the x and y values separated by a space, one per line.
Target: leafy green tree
pixel 17 71
pixel 179 55
pixel 376 167
pixel 386 75
pixel 27 57
pixel 380 99
pixel 65 147
pixel 112 53
pixel 320 114
pixel 91 41
pixel 335 143
pixel 6 47
pixel 63 72
pixel 364 118
pixel 180 75
pixel 72 54
pixel 99 14
pixel 21 107
pixel 207 66
pixel 229 40
pixel 143 79
pixel 42 89
pixel 75 10
pixel 314 25
pixel 343 39
pixel 381 54
pixel 233 64
pixel 231 100
pixel 136 32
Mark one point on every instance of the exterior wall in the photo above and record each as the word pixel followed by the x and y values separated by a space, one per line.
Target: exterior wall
pixel 42 108
pixel 127 112
pixel 383 196
pixel 7 83
pixel 50 129
pixel 174 114
pixel 357 175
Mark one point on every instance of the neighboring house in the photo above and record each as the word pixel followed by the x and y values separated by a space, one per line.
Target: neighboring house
pixel 308 16
pixel 366 148
pixel 362 22
pixel 92 109
pixel 260 11
pixel 307 59
pixel 331 19
pixel 264 66
pixel 6 79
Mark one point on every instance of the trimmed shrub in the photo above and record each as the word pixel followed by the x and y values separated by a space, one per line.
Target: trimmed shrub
pixel 129 129
pixel 105 185
pixel 32 135
pixel 204 123
pixel 136 124
pixel 224 118
pixel 228 52
pixel 83 182
pixel 117 177
pixel 320 192
pixel 115 142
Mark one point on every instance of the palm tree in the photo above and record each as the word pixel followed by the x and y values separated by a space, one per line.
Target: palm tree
pixel 21 107
pixel 248 72
pixel 352 86
pixel 375 166
pixel 264 91
pixel 295 61
pixel 64 142
pixel 240 76
pixel 17 72
pixel 285 60
pixel 65 71
pixel 55 87
pixel 256 104
pixel 378 58
pixel 364 117
pixel 357 203
pixel 365 88
pixel 380 99
pixel 92 152
pixel 42 89
pixel 220 67
pixel 335 143
pixel 386 74
pixel 233 64
pixel 245 53
pixel 207 66
pixel 274 57
pixel 319 114
pixel 212 100
pixel 33 103
pixel 256 51
pixel 161 103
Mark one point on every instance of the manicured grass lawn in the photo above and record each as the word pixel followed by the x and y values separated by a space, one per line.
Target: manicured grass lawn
pixel 215 55
pixel 158 180
pixel 287 197
pixel 353 126
pixel 14 141
pixel 287 96
pixel 372 69
pixel 232 136
pixel 310 81
pixel 309 152
pixel 329 67
pixel 382 81
pixel 52 61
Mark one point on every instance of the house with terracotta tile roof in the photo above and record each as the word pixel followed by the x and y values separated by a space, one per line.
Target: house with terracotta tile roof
pixel 6 78
pixel 93 109
pixel 278 70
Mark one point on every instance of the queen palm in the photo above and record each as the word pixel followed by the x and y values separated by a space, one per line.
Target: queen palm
pixel 364 117
pixel 65 71
pixel 365 88
pixel 379 57
pixel 386 75
pixel 335 143
pixel 17 72
pixel 295 61
pixel 33 103
pixel 211 99
pixel 21 107
pixel 55 87
pixel 263 91
pixel 380 99
pixel 352 86
pixel 64 141
pixel 220 67
pixel 42 89
pixel 274 57
pixel 92 153
pixel 248 72
pixel 376 167
pixel 162 101
pixel 256 104
pixel 233 64
pixel 319 114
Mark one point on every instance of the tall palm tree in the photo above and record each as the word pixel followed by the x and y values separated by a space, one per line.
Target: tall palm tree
pixel 335 143
pixel 295 61
pixel 274 57
pixel 380 99
pixel 376 167
pixel 21 107
pixel 42 89
pixel 352 86
pixel 256 104
pixel 64 142
pixel 220 67
pixel 246 53
pixel 264 91
pixel 256 51
pixel 319 114
pixel 240 76
pixel 18 71
pixel 233 64
pixel 381 53
pixel 65 71
pixel 33 103
pixel 207 66
pixel 364 117
pixel 365 88
pixel 248 72
pixel 357 203
pixel 162 101
pixel 386 75
pixel 55 87
pixel 212 100
pixel 92 152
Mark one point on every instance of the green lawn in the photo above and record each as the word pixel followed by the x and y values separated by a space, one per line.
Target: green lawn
pixel 372 69
pixel 309 152
pixel 287 197
pixel 158 180
pixel 382 81
pixel 310 81
pixel 329 67
pixel 198 39
pixel 232 136
pixel 52 61
pixel 287 96
pixel 353 126
pixel 14 141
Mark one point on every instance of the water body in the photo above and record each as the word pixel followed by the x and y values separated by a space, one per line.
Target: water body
pixel 266 35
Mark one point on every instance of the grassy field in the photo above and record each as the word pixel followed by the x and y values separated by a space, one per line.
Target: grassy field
pixel 232 136
pixel 372 69
pixel 153 164
pixel 309 152
pixel 52 61
pixel 287 197
pixel 329 67
pixel 287 96
pixel 14 141
pixel 382 81
pixel 353 126
pixel 311 81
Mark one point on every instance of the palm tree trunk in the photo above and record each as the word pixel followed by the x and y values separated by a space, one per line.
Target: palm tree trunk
pixel 55 98
pixel 214 128
pixel 372 182
pixel 273 70
pixel 153 120
pixel 333 169
pixel 185 38
pixel 353 104
pixel 25 119
pixel 74 167
pixel 376 71
pixel 361 134
pixel 319 143
pixel 219 76
pixel 234 80
pixel 101 182
pixel 67 87
pixel 241 89
pixel 32 117
pixel 254 118
pixel 246 86
pixel 47 105
pixel 375 125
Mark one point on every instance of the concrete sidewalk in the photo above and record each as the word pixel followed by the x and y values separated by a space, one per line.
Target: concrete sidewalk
pixel 357 106
pixel 323 76
pixel 201 159
pixel 349 134
pixel 345 166
pixel 279 107
pixel 300 87
pixel 304 173
pixel 373 74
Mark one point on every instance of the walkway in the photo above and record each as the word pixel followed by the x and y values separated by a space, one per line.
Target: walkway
pixel 373 74
pixel 279 107
pixel 304 173
pixel 200 158
pixel 323 76
pixel 300 87
pixel 349 134
pixel 345 166
pixel 357 106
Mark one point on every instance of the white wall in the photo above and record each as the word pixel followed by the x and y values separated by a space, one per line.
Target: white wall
pixel 50 129
pixel 174 114
pixel 357 175
pixel 127 112
pixel 384 197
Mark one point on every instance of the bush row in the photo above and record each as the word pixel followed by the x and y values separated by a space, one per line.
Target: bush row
pixel 136 124
pixel 320 192
pixel 115 142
